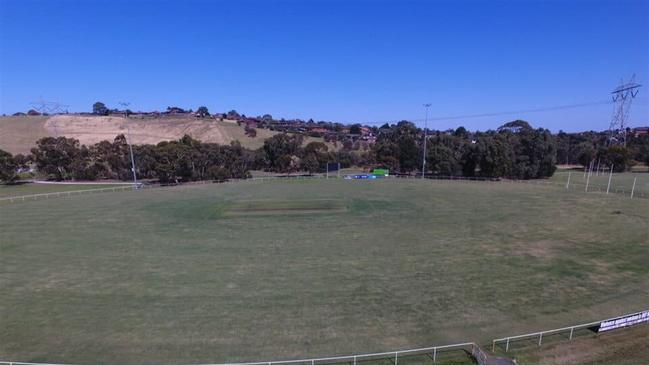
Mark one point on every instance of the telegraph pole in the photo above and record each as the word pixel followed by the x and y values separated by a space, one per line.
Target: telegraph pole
pixel 130 146
pixel 622 96
pixel 423 164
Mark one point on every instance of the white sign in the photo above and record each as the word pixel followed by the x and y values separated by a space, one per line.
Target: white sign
pixel 642 317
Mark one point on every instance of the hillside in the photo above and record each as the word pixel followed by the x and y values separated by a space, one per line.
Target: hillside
pixel 19 134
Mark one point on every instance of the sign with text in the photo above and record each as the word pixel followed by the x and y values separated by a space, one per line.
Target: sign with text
pixel 626 321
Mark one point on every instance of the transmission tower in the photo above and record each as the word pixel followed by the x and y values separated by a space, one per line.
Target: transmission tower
pixel 49 107
pixel 622 95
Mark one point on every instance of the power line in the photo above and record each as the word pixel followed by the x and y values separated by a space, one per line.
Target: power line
pixel 501 113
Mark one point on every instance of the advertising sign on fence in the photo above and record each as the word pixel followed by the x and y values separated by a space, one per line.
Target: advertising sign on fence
pixel 630 320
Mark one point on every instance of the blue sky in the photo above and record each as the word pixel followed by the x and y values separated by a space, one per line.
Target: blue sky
pixel 348 61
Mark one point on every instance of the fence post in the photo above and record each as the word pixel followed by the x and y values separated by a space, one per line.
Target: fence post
pixel 568 183
pixel 540 338
pixel 396 358
pixel 493 346
pixel 590 168
pixel 435 354
pixel 507 345
pixel 610 175
pixel 354 359
pixel 571 330
pixel 633 188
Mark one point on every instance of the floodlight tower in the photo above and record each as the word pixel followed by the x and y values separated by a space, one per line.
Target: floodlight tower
pixel 130 146
pixel 423 163
pixel 622 95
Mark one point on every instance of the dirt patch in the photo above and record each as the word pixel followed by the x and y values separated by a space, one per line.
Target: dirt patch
pixel 92 129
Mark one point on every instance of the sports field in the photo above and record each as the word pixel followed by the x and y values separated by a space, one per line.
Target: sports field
pixel 289 269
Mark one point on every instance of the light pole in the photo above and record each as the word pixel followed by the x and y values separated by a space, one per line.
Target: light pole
pixel 423 164
pixel 130 147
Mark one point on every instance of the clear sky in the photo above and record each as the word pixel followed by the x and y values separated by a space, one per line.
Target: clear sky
pixel 348 61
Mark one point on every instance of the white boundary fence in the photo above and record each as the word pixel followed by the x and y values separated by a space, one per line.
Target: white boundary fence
pixel 432 352
pixel 59 194
pixel 570 331
pixel 31 197
pixel 393 356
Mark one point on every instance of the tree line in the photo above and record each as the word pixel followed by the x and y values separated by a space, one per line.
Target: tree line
pixel 594 147
pixel 514 150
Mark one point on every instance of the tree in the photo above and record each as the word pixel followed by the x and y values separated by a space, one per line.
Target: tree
pixel 218 173
pixel 202 112
pixel 461 132
pixel 173 162
pixel 99 108
pixel 618 157
pixel 250 131
pixel 279 146
pixel 515 126
pixel 397 147
pixel 8 167
pixel 471 157
pixel 61 158
pixel 534 150
pixel 443 155
pixel 314 157
pixel 288 163
pixel 586 154
pixel 310 163
pixel 496 156
pixel 355 129
pixel 175 110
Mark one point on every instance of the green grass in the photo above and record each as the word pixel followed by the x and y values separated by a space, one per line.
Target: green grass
pixel 29 189
pixel 273 207
pixel 160 276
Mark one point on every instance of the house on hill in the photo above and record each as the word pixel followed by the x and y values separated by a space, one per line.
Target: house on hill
pixel 640 131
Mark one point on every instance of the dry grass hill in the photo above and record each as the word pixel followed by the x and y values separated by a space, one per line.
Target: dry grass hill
pixel 19 134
